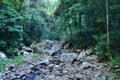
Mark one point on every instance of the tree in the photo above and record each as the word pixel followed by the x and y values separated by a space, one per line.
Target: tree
pixel 108 36
pixel 11 29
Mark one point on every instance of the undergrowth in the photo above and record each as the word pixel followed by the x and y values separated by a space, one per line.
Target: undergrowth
pixel 16 60
pixel 115 66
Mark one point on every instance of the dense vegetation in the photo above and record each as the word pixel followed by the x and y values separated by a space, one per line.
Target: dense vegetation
pixel 83 23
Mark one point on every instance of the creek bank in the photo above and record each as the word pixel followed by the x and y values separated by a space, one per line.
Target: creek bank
pixel 61 64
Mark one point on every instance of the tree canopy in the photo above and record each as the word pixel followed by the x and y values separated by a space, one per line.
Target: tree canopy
pixel 81 22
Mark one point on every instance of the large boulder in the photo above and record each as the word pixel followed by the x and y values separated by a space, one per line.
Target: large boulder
pixel 2 56
pixel 27 49
pixel 55 48
pixel 81 55
pixel 68 57
pixel 89 51
pixel 22 52
pixel 87 65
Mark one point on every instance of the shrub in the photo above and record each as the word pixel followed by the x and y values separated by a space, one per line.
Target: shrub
pixel 10 29
pixel 100 47
pixel 115 66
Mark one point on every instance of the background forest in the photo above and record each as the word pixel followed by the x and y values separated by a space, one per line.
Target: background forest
pixel 80 22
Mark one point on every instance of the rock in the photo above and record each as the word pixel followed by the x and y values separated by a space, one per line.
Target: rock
pixel 87 65
pixel 63 43
pixel 29 71
pixel 92 58
pixel 31 66
pixel 22 52
pixel 89 51
pixel 50 67
pixel 61 78
pixel 66 46
pixel 1 76
pixel 98 78
pixel 2 56
pixel 23 77
pixel 27 49
pixel 55 61
pixel 64 71
pixel 56 67
pixel 50 77
pixel 22 73
pixel 68 57
pixel 55 48
pixel 81 55
pixel 10 67
pixel 98 74
pixel 50 52
pixel 78 51
pixel 44 62
pixel 38 77
pixel 79 76
pixel 25 53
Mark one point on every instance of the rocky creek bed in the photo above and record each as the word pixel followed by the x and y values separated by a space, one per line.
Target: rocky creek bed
pixel 59 63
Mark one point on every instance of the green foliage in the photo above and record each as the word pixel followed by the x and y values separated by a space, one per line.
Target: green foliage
pixel 25 21
pixel 10 29
pixel 100 47
pixel 101 44
pixel 17 60
pixel 78 20
pixel 115 66
pixel 115 41
pixel 37 21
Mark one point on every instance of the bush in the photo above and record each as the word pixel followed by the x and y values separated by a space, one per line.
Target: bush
pixel 101 44
pixel 100 47
pixel 115 41
pixel 10 29
pixel 115 66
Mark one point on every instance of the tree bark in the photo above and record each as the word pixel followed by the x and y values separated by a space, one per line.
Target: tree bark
pixel 108 36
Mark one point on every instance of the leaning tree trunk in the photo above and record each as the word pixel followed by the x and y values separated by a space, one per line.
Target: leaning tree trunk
pixel 108 36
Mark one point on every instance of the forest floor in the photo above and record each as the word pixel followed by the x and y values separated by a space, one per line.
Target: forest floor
pixel 59 63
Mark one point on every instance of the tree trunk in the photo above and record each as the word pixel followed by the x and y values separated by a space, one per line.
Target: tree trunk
pixel 108 36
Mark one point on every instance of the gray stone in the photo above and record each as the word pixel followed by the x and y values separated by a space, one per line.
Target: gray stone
pixel 65 71
pixel 44 62
pixel 68 57
pixel 50 77
pixel 87 65
pixel 29 71
pixel 51 65
pixel 2 56
pixel 81 55
pixel 92 58
pixel 25 53
pixel 30 66
pixel 10 67
pixel 27 49
pixel 22 73
pixel 79 76
pixel 98 74
pixel 50 52
pixel 38 77
pixel 55 48
pixel 56 67
pixel 97 78
pixel 89 51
